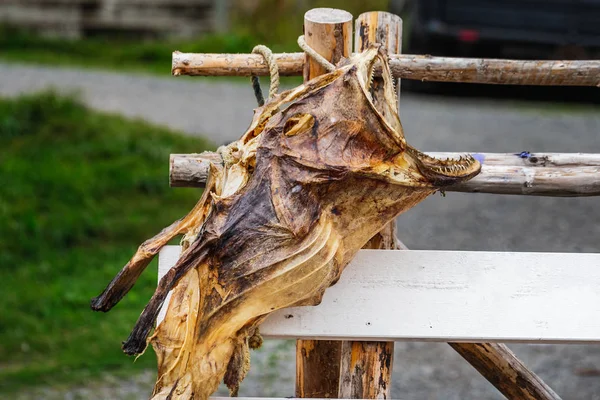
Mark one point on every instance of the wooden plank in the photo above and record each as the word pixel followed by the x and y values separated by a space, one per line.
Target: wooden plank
pixel 533 174
pixel 450 296
pixel 417 67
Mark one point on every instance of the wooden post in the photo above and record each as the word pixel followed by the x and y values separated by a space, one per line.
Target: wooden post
pixel 379 27
pixel 366 367
pixel 329 32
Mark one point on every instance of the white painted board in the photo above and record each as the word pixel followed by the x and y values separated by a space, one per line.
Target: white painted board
pixel 450 296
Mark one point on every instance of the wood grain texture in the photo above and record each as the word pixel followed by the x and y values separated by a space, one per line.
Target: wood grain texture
pixel 505 371
pixel 405 66
pixel 366 370
pixel 382 28
pixel 195 168
pixel 323 356
pixel 554 182
pixel 533 174
pixel 329 32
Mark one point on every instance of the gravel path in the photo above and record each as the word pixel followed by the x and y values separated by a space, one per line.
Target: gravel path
pixel 222 111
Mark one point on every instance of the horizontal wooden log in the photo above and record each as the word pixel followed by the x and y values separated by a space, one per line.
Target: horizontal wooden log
pixel 450 296
pixel 551 181
pixel 534 174
pixel 290 64
pixel 184 169
pixel 406 66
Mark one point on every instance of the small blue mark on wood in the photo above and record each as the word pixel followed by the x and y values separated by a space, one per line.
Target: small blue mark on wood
pixel 479 157
pixel 523 154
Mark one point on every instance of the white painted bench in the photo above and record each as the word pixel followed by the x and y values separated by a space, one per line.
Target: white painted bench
pixel 449 296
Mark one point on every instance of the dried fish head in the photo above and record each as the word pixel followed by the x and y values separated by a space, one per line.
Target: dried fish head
pixel 322 168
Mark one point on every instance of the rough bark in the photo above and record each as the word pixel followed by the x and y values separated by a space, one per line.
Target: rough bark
pixel 318 368
pixel 533 174
pixel 405 66
pixel 505 371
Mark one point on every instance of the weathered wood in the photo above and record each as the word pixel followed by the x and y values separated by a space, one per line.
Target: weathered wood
pixel 183 169
pixel 534 174
pixel 329 32
pixel 379 27
pixel 324 357
pixel 450 296
pixel 290 64
pixel 366 370
pixel 263 398
pixel 497 71
pixel 405 66
pixel 551 181
pixel 528 159
pixel 366 367
pixel 505 371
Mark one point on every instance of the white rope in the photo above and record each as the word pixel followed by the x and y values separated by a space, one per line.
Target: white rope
pixel 322 61
pixel 273 71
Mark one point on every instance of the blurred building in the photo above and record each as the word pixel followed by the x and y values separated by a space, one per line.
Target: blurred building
pixel 81 18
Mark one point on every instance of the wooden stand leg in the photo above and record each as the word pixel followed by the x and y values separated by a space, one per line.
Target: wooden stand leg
pixel 366 367
pixel 505 371
pixel 318 368
pixel 329 32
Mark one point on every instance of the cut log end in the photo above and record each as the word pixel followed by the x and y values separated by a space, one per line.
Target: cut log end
pixel 327 16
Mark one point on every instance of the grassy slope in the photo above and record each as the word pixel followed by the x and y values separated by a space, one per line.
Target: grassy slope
pixel 79 191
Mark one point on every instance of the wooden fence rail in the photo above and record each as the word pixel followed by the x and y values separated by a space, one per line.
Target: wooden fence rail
pixel 406 66
pixel 534 174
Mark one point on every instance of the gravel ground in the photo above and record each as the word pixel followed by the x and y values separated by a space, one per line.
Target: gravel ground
pixel 222 111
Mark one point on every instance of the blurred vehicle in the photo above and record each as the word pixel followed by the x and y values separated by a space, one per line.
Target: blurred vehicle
pixel 527 29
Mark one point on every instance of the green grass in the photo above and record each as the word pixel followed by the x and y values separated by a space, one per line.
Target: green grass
pixel 79 191
pixel 111 53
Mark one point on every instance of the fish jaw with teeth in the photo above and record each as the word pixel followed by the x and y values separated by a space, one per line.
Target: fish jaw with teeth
pixel 322 168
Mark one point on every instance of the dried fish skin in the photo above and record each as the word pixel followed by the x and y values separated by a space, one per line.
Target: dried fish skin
pixel 321 170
